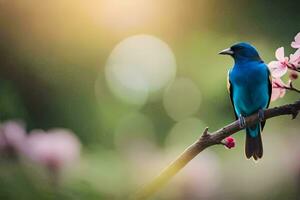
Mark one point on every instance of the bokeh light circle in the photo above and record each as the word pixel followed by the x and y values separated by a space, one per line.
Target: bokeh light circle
pixel 184 133
pixel 138 67
pixel 182 99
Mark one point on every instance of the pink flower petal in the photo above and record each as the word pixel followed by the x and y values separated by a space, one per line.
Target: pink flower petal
pixel 54 149
pixel 282 93
pixel 278 81
pixel 297 37
pixel 279 54
pixel 277 69
pixel 295 58
pixel 12 135
pixel 277 93
pixel 296 43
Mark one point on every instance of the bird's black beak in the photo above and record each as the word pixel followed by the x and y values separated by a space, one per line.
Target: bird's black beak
pixel 226 52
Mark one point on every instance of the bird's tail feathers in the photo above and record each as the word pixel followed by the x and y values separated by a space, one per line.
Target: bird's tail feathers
pixel 254 147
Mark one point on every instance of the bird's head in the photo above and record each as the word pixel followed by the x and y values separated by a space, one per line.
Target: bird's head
pixel 241 52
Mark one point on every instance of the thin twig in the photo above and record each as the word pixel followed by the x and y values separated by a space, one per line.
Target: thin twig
pixel 292 88
pixel 208 139
pixel 297 69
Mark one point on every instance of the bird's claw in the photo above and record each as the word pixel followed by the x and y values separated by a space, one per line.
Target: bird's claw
pixel 261 115
pixel 242 121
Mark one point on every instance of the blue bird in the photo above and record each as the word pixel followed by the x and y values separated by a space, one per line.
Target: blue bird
pixel 249 86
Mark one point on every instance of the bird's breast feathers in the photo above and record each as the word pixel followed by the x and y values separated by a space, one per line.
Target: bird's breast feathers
pixel 250 88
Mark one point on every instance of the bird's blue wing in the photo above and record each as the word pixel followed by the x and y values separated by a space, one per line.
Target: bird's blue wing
pixel 269 86
pixel 270 93
pixel 230 90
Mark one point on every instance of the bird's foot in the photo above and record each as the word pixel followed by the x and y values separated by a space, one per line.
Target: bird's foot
pixel 242 121
pixel 261 115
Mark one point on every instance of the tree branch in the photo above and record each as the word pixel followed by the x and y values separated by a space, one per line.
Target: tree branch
pixel 208 139
pixel 292 88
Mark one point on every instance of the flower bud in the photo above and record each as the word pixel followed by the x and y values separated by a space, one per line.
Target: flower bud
pixel 293 75
pixel 229 142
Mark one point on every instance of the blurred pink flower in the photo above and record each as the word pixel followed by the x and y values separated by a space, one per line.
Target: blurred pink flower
pixel 279 68
pixel 296 44
pixel 55 149
pixel 12 137
pixel 278 89
pixel 230 142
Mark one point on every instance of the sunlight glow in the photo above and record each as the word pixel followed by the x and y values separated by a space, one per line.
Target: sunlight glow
pixel 138 67
pixel 121 15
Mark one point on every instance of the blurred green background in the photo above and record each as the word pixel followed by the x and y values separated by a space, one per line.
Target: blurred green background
pixel 54 62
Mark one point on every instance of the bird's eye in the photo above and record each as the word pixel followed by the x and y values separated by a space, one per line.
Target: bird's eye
pixel 236 48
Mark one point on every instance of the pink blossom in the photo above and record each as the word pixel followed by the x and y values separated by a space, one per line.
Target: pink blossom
pixel 229 142
pixel 279 68
pixel 295 59
pixel 12 136
pixel 278 89
pixel 296 44
pixel 55 149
